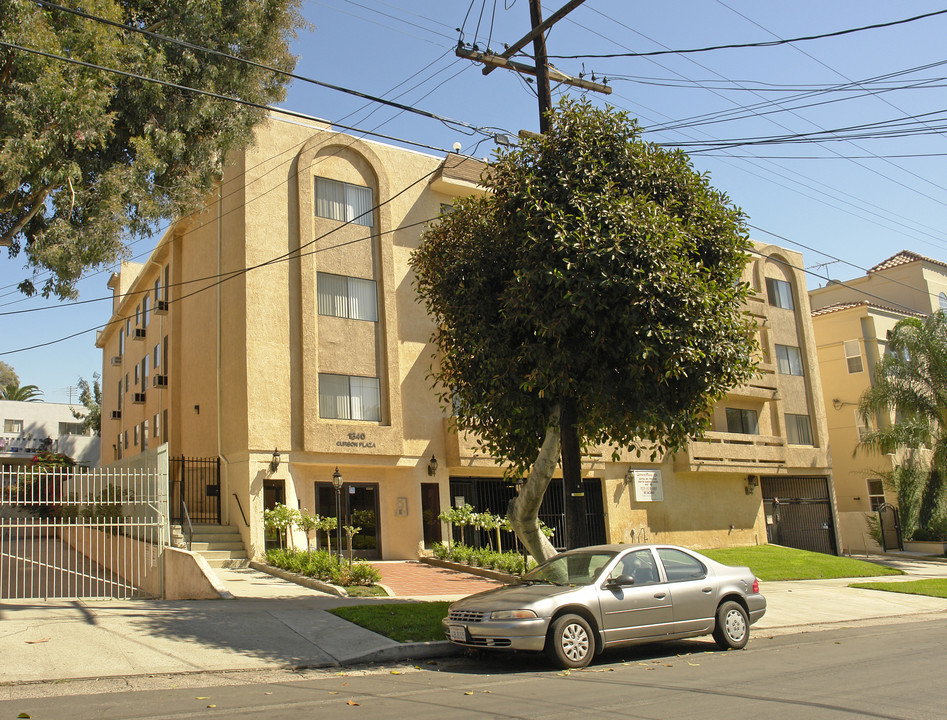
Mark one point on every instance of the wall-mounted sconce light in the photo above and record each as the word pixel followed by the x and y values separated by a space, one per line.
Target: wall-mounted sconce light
pixel 629 475
pixel 432 466
pixel 274 463
pixel 752 481
pixel 197 409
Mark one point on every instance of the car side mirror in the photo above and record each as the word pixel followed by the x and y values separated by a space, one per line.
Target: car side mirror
pixel 620 581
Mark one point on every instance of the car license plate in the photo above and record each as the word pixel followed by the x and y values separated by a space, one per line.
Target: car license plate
pixel 458 633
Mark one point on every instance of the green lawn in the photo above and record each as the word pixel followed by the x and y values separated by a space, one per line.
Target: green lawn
pixel 403 622
pixel 773 562
pixel 932 588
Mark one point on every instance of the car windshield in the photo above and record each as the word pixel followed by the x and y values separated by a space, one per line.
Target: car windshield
pixel 579 568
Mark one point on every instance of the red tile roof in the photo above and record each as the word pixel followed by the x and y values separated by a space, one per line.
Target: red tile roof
pixel 903 258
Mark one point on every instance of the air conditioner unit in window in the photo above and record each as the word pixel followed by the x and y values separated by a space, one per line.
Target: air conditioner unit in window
pixel 116 414
pixel 161 307
pixel 116 360
pixel 160 381
pixel 138 398
pixel 138 334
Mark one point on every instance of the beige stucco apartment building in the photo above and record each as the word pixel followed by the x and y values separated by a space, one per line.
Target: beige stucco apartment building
pixel 284 318
pixel 852 321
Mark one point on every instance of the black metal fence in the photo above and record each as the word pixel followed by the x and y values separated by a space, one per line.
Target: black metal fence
pixel 494 495
pixel 196 483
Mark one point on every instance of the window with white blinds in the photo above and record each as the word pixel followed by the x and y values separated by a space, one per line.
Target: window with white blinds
pixel 346 297
pixel 347 397
pixel 343 201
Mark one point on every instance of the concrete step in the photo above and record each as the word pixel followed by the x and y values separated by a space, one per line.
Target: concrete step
pixel 229 563
pixel 224 555
pixel 202 547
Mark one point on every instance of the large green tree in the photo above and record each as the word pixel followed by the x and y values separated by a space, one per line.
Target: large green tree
pixel 90 158
pixel 594 295
pixel 907 403
pixel 8 374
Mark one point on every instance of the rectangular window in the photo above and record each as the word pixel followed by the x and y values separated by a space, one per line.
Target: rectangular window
pixel 68 428
pixel 157 356
pixel 144 435
pixel 742 421
pixel 137 374
pixel 121 342
pixel 144 374
pixel 346 297
pixel 125 439
pixel 345 397
pixel 853 356
pixel 164 354
pixel 164 426
pixel 126 382
pixel 798 430
pixel 779 293
pixel 119 394
pixel 118 446
pixel 157 289
pixel 137 315
pixel 144 311
pixel 128 327
pixel 167 279
pixel 876 494
pixel 343 201
pixel 789 360
pixel 137 431
pixel 13 426
pixel 155 432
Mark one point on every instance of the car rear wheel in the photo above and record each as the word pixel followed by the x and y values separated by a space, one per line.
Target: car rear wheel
pixel 570 643
pixel 733 626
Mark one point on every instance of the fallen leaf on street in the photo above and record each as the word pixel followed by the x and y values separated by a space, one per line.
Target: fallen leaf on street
pixel 693 664
pixel 35 642
pixel 470 692
pixel 352 702
pixel 395 672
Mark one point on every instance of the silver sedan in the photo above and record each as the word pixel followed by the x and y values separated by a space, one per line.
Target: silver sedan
pixel 583 601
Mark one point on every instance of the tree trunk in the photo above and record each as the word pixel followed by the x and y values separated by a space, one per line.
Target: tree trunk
pixel 523 510
pixel 573 490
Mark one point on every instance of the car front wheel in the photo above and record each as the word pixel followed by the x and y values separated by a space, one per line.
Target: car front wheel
pixel 570 643
pixel 733 626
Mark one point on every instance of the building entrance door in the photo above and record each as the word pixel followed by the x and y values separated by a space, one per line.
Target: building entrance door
pixel 359 508
pixel 430 509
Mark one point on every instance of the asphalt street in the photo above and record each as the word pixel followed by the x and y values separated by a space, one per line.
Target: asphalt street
pixel 882 671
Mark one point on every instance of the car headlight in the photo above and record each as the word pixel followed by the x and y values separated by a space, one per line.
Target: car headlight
pixel 513 615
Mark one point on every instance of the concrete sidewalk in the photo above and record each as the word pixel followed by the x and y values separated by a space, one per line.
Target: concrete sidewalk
pixel 275 624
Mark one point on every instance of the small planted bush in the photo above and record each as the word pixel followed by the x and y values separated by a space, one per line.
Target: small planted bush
pixel 319 564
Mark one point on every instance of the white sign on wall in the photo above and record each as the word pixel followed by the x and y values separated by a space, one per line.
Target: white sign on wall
pixel 648 486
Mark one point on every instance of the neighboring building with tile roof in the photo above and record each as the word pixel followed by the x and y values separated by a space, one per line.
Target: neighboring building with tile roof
pixel 852 320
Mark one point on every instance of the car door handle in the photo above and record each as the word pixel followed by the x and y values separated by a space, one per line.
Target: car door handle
pixel 660 596
pixel 707 590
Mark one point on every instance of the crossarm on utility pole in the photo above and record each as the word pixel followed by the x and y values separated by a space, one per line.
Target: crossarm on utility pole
pixel 542 27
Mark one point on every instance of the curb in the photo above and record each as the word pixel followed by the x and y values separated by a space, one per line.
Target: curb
pixel 303 580
pixel 409 651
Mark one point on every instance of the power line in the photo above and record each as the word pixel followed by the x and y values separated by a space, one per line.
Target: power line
pixel 770 43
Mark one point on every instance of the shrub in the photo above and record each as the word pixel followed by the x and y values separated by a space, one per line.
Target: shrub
pixel 319 564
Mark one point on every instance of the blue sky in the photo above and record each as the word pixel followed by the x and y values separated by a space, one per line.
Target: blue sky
pixel 848 203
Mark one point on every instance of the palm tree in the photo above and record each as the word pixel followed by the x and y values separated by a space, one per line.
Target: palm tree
pixel 23 393
pixel 911 383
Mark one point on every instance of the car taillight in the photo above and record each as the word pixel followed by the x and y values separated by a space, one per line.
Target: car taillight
pixel 756 585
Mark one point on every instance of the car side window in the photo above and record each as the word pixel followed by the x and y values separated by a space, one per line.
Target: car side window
pixel 641 566
pixel 681 566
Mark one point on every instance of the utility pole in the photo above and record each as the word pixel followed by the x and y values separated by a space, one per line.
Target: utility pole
pixel 570 453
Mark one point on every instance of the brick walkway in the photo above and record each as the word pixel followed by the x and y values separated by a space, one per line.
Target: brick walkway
pixel 409 578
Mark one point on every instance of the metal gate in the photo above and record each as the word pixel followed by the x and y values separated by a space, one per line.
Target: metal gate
pixel 889 527
pixel 799 513
pixel 195 489
pixel 80 533
pixel 493 495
